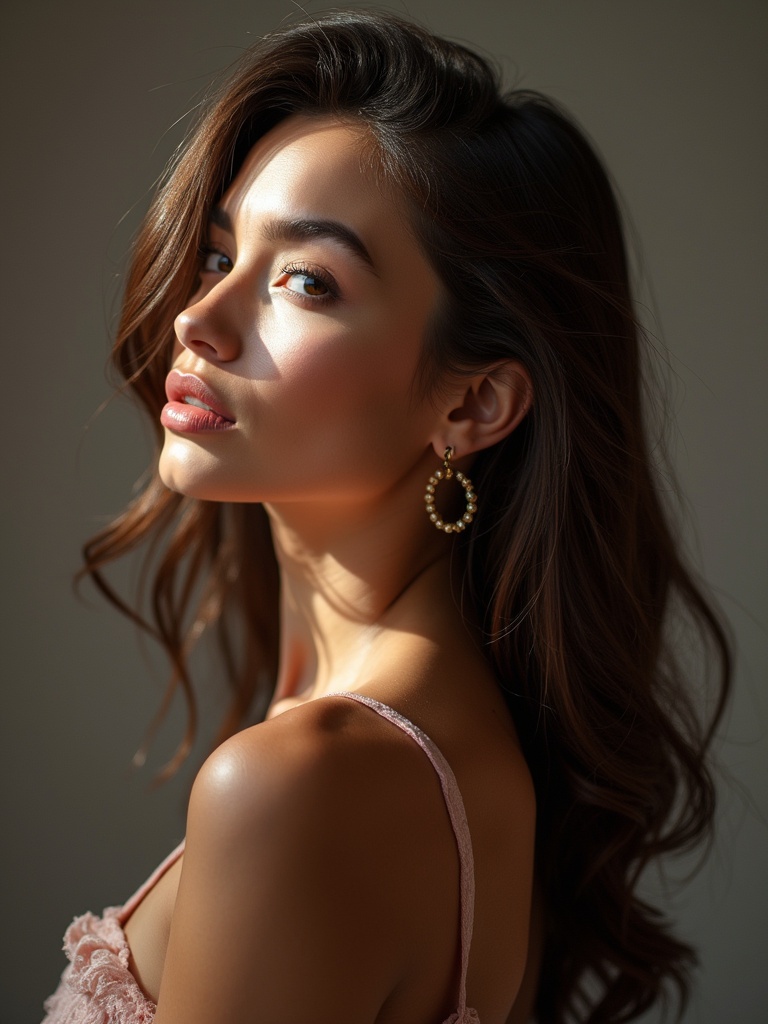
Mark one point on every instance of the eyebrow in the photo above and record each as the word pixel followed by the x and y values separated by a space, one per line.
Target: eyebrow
pixel 281 229
pixel 221 219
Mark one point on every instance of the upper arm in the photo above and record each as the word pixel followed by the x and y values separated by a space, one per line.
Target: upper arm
pixel 275 891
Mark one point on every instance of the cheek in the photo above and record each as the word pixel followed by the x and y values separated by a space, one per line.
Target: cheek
pixel 350 382
pixel 337 420
pixel 370 355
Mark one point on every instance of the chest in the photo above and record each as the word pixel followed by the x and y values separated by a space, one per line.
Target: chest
pixel 148 929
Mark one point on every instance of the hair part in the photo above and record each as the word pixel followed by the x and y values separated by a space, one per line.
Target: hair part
pixel 571 563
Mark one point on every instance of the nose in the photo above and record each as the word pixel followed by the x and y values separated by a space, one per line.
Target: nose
pixel 207 328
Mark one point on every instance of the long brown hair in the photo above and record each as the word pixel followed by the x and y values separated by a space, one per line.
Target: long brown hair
pixel 571 563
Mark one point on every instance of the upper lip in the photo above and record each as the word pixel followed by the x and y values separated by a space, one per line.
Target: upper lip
pixel 178 385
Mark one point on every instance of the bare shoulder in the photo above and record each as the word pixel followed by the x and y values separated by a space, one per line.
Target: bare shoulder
pixel 321 879
pixel 274 760
pixel 290 870
pixel 324 791
pixel 308 766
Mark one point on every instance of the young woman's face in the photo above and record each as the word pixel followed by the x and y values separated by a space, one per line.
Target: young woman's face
pixel 305 333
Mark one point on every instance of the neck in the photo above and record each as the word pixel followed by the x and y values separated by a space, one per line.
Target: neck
pixel 351 578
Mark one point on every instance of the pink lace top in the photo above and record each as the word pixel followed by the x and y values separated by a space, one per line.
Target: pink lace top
pixel 97 986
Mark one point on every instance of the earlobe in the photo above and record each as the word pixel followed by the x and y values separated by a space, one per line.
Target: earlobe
pixel 489 407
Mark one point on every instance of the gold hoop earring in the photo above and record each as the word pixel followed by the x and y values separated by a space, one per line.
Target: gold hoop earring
pixel 429 497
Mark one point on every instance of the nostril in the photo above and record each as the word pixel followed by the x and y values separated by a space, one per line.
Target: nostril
pixel 203 347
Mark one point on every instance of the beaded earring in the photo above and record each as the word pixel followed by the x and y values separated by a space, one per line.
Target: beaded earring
pixel 429 497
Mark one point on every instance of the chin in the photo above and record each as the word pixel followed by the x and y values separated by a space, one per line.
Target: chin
pixel 188 470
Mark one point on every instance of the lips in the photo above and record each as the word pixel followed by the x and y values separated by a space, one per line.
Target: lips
pixel 192 406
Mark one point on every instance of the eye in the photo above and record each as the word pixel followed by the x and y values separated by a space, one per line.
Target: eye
pixel 215 262
pixel 307 283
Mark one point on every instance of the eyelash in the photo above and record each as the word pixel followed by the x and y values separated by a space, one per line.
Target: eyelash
pixel 205 253
pixel 322 277
pixel 301 269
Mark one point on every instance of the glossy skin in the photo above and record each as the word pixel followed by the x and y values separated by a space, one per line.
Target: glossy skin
pixel 319 365
pixel 320 877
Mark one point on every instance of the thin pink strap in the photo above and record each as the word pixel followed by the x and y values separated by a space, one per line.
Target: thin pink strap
pixel 458 816
pixel 128 908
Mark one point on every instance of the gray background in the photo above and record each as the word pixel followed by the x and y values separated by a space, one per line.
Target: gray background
pixel 674 93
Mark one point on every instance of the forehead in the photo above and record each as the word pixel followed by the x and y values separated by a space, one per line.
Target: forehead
pixel 316 165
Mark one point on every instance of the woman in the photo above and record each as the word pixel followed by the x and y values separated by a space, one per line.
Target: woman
pixel 367 279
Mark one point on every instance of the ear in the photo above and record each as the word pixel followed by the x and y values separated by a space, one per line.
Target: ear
pixel 484 409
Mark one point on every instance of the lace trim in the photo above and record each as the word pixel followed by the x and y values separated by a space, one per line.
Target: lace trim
pixel 469 1016
pixel 98 982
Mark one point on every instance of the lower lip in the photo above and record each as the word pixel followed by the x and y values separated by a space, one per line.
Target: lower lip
pixel 191 419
